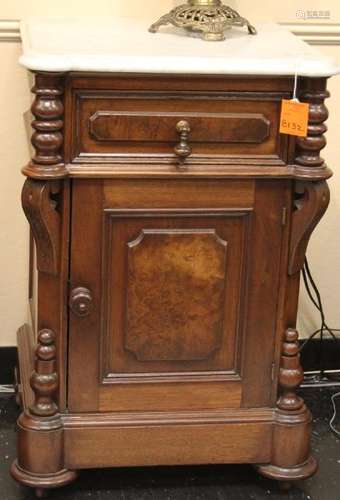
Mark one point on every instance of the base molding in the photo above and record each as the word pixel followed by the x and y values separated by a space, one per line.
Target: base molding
pixel 295 473
pixel 45 481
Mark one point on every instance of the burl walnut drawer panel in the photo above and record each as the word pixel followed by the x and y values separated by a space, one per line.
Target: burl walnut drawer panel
pixel 135 127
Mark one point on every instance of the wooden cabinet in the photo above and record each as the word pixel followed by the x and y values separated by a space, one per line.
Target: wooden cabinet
pixel 170 221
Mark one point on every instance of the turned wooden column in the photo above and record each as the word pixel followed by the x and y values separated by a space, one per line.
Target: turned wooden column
pixel 40 462
pixel 44 379
pixel 291 455
pixel 47 138
pixel 308 160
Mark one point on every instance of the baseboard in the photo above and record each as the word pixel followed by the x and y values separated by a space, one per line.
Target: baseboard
pixel 310 358
pixel 8 360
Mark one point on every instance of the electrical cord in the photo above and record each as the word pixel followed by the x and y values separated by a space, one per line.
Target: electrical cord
pixel 332 420
pixel 6 389
pixel 316 300
pixel 308 280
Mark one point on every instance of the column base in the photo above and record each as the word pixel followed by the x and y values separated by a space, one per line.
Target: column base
pixel 42 481
pixel 301 471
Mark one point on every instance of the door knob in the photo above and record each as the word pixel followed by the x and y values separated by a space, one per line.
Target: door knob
pixel 81 302
pixel 182 149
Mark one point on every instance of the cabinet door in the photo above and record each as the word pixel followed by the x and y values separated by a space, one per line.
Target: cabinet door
pixel 174 293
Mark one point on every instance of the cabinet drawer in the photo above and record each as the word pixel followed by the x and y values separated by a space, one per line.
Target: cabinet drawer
pixel 139 127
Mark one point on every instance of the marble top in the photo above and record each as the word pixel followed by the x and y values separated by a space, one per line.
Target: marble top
pixel 125 45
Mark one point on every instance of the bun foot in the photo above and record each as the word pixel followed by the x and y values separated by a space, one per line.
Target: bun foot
pixel 41 493
pixel 42 483
pixel 285 485
pixel 289 474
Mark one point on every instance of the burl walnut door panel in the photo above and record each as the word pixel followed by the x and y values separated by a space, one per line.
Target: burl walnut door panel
pixel 177 320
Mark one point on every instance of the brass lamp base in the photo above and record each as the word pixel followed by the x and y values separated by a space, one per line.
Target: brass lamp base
pixel 210 17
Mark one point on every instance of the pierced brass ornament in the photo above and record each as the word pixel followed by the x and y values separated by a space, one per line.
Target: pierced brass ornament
pixel 210 17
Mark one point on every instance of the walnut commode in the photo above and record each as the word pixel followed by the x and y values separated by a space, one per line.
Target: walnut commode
pixel 170 223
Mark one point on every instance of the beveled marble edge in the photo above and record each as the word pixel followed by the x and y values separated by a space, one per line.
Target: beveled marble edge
pixel 156 66
pixel 314 64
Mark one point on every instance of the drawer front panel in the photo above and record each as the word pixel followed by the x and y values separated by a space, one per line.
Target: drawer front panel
pixel 135 127
pixel 144 127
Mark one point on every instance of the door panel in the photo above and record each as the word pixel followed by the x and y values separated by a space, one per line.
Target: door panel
pixel 172 287
pixel 175 294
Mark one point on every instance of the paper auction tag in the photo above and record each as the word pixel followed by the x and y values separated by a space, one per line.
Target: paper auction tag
pixel 294 117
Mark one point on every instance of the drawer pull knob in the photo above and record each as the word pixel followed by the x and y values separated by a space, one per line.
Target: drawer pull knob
pixel 81 301
pixel 182 149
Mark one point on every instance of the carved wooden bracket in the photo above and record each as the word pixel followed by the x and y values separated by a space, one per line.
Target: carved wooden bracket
pixel 311 202
pixel 39 201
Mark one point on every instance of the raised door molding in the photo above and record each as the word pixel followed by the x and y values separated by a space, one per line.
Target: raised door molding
pixel 157 262
pixel 313 33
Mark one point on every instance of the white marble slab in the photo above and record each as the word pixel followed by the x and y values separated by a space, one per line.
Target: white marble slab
pixel 125 45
